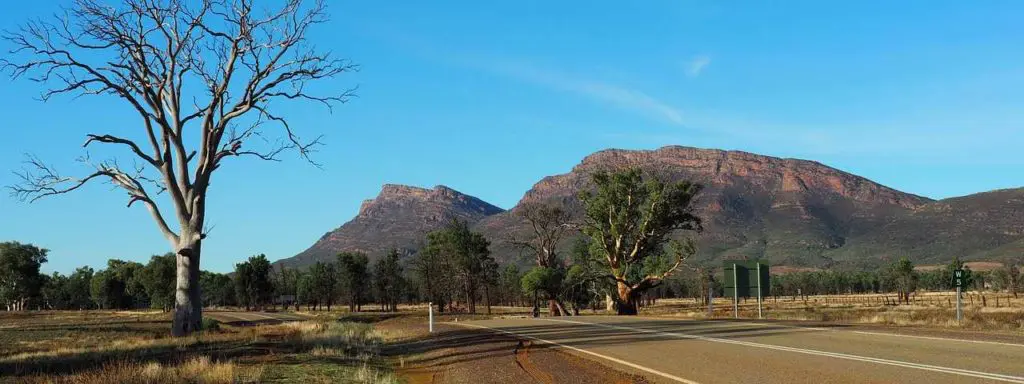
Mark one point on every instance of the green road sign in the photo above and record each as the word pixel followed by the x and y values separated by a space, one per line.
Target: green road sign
pixel 744 277
pixel 958 278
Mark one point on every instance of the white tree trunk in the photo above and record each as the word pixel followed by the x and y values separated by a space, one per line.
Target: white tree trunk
pixel 188 303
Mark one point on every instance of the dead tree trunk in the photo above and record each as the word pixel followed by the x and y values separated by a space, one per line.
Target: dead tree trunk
pixel 189 70
pixel 188 302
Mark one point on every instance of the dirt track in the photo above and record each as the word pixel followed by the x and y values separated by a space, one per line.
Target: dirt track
pixel 461 355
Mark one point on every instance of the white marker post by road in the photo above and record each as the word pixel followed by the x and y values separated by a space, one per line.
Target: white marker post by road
pixel 735 294
pixel 759 290
pixel 958 280
pixel 430 316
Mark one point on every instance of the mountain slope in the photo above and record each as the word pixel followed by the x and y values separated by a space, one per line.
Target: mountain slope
pixel 399 217
pixel 983 226
pixel 789 211
pixel 792 212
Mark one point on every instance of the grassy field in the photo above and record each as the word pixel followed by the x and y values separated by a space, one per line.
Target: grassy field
pixel 337 347
pixel 988 312
pixel 136 347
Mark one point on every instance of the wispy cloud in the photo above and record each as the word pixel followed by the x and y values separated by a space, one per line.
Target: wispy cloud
pixel 696 65
pixel 615 95
pixel 612 94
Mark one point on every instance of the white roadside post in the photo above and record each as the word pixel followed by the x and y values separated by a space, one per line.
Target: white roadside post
pixel 958 280
pixel 735 294
pixel 430 315
pixel 759 290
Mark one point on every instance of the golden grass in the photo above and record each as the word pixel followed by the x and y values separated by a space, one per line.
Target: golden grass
pixel 57 348
pixel 198 369
pixel 932 309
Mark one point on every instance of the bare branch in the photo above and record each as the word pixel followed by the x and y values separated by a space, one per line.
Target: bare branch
pixel 117 140
pixel 231 58
pixel 42 180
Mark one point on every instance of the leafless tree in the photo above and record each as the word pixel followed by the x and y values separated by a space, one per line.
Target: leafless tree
pixel 202 76
pixel 548 225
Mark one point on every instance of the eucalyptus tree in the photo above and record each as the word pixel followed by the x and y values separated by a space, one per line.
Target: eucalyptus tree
pixel 629 219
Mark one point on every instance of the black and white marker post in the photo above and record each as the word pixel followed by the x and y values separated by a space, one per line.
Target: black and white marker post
pixel 958 280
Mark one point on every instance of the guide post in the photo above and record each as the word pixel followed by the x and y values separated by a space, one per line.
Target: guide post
pixel 958 281
pixel 759 291
pixel 735 294
pixel 430 315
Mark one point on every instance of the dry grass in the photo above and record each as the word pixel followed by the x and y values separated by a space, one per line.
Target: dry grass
pixel 926 310
pixel 137 348
pixel 195 370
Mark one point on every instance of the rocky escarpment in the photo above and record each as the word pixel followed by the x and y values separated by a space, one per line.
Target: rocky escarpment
pixel 792 212
pixel 789 211
pixel 399 217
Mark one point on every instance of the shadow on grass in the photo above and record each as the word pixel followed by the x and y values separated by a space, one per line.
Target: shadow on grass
pixel 75 361
pixel 367 317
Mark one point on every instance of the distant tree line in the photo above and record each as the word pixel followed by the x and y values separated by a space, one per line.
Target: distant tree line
pixel 621 255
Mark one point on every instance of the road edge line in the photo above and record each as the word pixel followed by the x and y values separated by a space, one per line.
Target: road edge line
pixel 837 355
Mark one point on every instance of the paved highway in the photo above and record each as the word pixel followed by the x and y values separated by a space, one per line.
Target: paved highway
pixel 687 351
pixel 252 318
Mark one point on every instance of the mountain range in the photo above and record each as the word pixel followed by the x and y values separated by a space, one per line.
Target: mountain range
pixel 792 212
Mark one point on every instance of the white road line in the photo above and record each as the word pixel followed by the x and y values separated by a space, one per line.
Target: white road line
pixel 598 355
pixel 926 367
pixel 894 335
pixel 936 338
pixel 957 340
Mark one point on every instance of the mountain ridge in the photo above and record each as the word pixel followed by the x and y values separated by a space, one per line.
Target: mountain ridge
pixel 791 211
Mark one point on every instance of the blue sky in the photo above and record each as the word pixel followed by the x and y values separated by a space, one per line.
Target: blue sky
pixel 489 97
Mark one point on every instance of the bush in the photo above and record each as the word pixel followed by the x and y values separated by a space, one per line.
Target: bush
pixel 210 325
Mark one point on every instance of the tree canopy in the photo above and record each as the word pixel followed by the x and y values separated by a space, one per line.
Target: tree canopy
pixel 628 219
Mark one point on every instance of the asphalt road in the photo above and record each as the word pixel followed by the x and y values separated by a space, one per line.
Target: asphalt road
pixel 252 318
pixel 688 351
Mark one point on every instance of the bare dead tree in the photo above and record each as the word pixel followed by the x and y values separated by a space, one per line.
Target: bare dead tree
pixel 202 76
pixel 548 224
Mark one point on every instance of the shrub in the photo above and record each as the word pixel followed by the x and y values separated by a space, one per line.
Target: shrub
pixel 210 325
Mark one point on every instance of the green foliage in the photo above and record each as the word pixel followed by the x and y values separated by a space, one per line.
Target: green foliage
pixel 353 278
pixel 388 280
pixel 19 273
pixel 120 286
pixel 455 258
pixel 509 287
pixel 68 292
pixel 544 280
pixel 286 282
pixel 628 219
pixel 320 286
pixel 209 325
pixel 253 284
pixel 218 289
pixel 107 290
pixel 159 280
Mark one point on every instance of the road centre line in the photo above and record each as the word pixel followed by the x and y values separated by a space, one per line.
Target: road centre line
pixel 892 334
pixel 926 367
pixel 595 354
